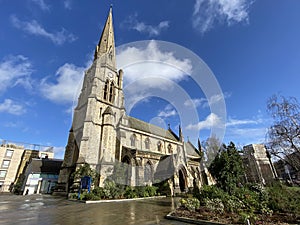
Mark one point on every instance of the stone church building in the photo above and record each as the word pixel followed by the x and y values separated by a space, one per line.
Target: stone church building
pixel 103 135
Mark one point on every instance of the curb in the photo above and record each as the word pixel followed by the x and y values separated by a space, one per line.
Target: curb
pixel 122 200
pixel 193 221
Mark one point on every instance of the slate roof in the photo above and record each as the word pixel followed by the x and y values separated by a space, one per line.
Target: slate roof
pixel 191 150
pixel 150 128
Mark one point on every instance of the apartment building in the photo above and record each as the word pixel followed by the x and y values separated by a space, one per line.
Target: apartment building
pixel 14 158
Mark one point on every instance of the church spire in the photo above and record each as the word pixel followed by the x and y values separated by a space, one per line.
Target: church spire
pixel 180 134
pixel 106 45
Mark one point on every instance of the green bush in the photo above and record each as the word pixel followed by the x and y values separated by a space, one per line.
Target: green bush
pixel 191 204
pixel 99 192
pixel 151 190
pixel 233 204
pixel 163 188
pixel 91 196
pixel 130 193
pixel 214 205
pixel 284 199
pixel 112 190
pixel 210 192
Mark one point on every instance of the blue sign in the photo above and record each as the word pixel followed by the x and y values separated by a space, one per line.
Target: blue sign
pixel 85 183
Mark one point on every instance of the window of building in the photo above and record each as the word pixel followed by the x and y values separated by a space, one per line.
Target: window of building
pixel 5 163
pixel 111 92
pixel 133 140
pixel 9 153
pixel 3 173
pixel 170 150
pixel 148 172
pixel 147 143
pixel 159 146
pixel 105 90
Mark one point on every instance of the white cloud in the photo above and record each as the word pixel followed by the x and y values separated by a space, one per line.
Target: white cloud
pixel 15 70
pixel 237 122
pixel 247 135
pixel 11 107
pixel 168 111
pixel 34 28
pixel 68 82
pixel 151 30
pixel 208 13
pixel 149 70
pixel 212 120
pixel 152 61
pixel 195 102
pixel 42 5
pixel 202 102
pixel 68 4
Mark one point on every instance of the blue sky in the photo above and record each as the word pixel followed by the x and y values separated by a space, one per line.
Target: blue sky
pixel 252 48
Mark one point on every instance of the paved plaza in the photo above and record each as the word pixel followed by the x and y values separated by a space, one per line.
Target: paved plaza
pixel 49 210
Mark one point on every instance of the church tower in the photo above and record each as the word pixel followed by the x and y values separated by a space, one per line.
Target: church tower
pixel 92 138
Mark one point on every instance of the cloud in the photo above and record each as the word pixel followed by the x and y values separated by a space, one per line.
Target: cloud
pixel 208 13
pixel 210 121
pixel 151 30
pixel 11 107
pixel 202 102
pixel 195 102
pixel 68 4
pixel 65 88
pixel 152 61
pixel 237 122
pixel 34 28
pixel 42 4
pixel 15 70
pixel 149 70
pixel 247 135
pixel 168 111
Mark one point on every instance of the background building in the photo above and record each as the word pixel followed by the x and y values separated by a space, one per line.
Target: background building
pixel 258 165
pixel 14 158
pixel 41 176
pixel 287 172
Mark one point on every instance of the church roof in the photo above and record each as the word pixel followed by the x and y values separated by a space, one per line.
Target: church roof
pixel 191 150
pixel 150 128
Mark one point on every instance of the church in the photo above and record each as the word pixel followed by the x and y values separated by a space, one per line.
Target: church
pixel 103 135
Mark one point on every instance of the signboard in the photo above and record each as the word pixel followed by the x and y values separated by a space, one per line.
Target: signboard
pixel 85 183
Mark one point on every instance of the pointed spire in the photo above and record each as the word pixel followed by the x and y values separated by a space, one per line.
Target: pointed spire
pixel 180 134
pixel 106 43
pixel 199 146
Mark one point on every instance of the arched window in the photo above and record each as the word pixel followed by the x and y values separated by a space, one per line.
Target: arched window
pixel 170 149
pixel 125 171
pixel 105 90
pixel 159 146
pixel 111 92
pixel 147 143
pixel 148 172
pixel 133 140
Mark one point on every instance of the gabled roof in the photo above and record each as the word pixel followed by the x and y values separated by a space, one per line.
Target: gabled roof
pixel 191 150
pixel 150 128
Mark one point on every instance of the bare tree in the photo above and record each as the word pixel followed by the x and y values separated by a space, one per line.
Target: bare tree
pixel 283 136
pixel 211 147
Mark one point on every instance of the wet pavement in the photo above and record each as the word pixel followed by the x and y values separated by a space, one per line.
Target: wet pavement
pixel 50 210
